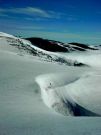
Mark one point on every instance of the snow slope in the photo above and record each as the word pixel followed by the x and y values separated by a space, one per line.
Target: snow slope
pixel 24 47
pixel 72 94
pixel 81 95
pixel 22 110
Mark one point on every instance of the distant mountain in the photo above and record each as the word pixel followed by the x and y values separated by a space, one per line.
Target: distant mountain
pixel 48 45
pixel 25 46
pixel 48 50
pixel 82 47
pixel 56 46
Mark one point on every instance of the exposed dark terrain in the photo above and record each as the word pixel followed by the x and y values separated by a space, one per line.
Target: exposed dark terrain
pixel 56 46
pixel 47 45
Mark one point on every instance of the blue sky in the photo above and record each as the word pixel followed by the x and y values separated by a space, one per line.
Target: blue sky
pixel 63 20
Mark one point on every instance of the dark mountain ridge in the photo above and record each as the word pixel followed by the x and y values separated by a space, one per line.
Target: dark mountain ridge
pixel 56 46
pixel 47 44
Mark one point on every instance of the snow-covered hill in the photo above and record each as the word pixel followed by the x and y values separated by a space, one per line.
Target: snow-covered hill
pixel 44 108
pixel 25 46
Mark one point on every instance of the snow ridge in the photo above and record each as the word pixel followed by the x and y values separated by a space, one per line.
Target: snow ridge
pixel 24 46
pixel 63 93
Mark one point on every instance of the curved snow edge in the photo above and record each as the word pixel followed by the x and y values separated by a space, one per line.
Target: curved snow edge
pixel 55 95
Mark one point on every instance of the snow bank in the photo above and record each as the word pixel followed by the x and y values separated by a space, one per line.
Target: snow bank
pixel 53 92
pixel 72 94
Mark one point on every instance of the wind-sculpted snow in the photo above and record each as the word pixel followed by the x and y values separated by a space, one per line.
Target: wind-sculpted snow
pixel 67 90
pixel 67 93
pixel 51 85
pixel 72 94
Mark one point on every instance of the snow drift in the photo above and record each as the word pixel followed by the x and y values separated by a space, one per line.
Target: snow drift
pixel 78 95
